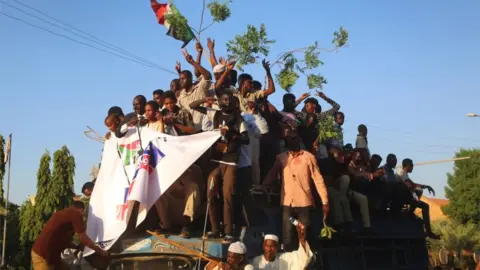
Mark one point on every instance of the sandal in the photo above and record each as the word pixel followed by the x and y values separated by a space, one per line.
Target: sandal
pixel 185 233
pixel 211 235
pixel 228 239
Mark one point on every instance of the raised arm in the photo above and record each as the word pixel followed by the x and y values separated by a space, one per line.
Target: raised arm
pixel 271 84
pixel 198 60
pixel 335 106
pixel 221 80
pixel 301 98
pixel 197 106
pixel 205 74
pixel 211 49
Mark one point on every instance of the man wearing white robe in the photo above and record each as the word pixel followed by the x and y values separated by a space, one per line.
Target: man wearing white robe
pixel 271 260
pixel 236 259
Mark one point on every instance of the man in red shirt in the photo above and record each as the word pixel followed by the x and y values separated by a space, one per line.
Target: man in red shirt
pixel 57 235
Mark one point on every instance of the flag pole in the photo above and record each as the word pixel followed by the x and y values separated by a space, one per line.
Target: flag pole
pixel 9 153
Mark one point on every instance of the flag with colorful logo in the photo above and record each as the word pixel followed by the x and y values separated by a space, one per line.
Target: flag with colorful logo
pixel 138 170
pixel 180 30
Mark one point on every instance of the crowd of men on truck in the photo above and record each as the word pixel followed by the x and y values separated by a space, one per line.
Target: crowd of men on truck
pixel 260 145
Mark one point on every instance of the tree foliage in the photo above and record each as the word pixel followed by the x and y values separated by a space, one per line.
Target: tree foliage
pixel 45 198
pixel 291 66
pixel 328 129
pixel 463 188
pixel 218 11
pixel 27 236
pixel 246 48
pixel 62 178
pixel 456 237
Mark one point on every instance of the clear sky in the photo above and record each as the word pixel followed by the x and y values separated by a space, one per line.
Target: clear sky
pixel 410 73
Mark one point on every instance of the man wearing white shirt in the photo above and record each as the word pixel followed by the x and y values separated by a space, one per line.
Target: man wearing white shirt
pixel 271 260
pixel 236 259
pixel 412 199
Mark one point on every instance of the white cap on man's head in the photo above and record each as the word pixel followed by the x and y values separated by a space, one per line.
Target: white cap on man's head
pixel 238 248
pixel 219 68
pixel 271 237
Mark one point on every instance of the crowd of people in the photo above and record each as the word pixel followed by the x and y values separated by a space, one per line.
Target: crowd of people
pixel 262 145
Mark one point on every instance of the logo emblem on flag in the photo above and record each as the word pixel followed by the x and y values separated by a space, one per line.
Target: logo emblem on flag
pixel 148 162
pixel 129 151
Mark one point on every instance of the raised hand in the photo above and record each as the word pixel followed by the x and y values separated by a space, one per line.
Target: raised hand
pixel 188 57
pixel 304 96
pixel 222 60
pixel 430 190
pixel 210 44
pixel 231 65
pixel 178 67
pixel 266 65
pixel 321 94
pixel 199 47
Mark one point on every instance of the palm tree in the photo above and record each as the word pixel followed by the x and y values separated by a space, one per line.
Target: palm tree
pixel 456 238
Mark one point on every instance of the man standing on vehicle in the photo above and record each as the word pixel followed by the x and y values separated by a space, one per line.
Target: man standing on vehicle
pixel 57 235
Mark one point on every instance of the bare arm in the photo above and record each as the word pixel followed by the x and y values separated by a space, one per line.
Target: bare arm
pixel 272 174
pixel 198 60
pixel 271 83
pixel 211 48
pixel 197 106
pixel 197 66
pixel 86 241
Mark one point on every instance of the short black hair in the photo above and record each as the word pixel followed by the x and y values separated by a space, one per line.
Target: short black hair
pixel 170 95
pixel 362 127
pixel 311 100
pixel 288 96
pixel 159 92
pixel 340 113
pixel 376 156
pixel 87 185
pixel 115 110
pixel 187 73
pixel 141 98
pixel 257 85
pixel 391 156
pixel 407 162
pixel 78 204
pixel 114 116
pixel 244 77
pixel 153 104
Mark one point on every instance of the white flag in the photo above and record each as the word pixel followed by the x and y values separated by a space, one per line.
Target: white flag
pixel 129 174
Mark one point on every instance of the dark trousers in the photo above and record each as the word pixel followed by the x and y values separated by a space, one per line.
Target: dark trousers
pixel 425 213
pixel 244 202
pixel 289 232
pixel 224 178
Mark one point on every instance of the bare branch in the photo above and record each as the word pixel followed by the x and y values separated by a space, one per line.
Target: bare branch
pixel 201 18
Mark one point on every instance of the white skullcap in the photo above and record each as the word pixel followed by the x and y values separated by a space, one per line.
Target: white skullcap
pixel 271 237
pixel 219 68
pixel 238 248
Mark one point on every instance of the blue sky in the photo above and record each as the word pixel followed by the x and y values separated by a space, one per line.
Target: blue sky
pixel 410 73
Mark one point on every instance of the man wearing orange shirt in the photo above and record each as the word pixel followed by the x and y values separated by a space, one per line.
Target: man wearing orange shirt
pixel 297 168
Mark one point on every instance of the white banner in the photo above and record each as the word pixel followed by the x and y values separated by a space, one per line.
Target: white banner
pixel 125 175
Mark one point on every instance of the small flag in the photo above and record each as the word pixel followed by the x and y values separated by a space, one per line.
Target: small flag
pixel 129 152
pixel 8 148
pixel 160 10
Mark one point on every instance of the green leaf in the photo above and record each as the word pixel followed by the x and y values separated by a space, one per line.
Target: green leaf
pixel 287 78
pixel 220 12
pixel 328 129
pixel 315 81
pixel 246 48
pixel 340 37
pixel 311 57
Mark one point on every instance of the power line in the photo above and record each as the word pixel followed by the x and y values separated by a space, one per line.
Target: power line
pixel 83 43
pixel 84 34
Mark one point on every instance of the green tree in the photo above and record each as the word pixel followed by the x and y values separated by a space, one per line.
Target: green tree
pixel 463 188
pixel 62 179
pixel 27 236
pixel 456 237
pixel 45 198
pixel 13 257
